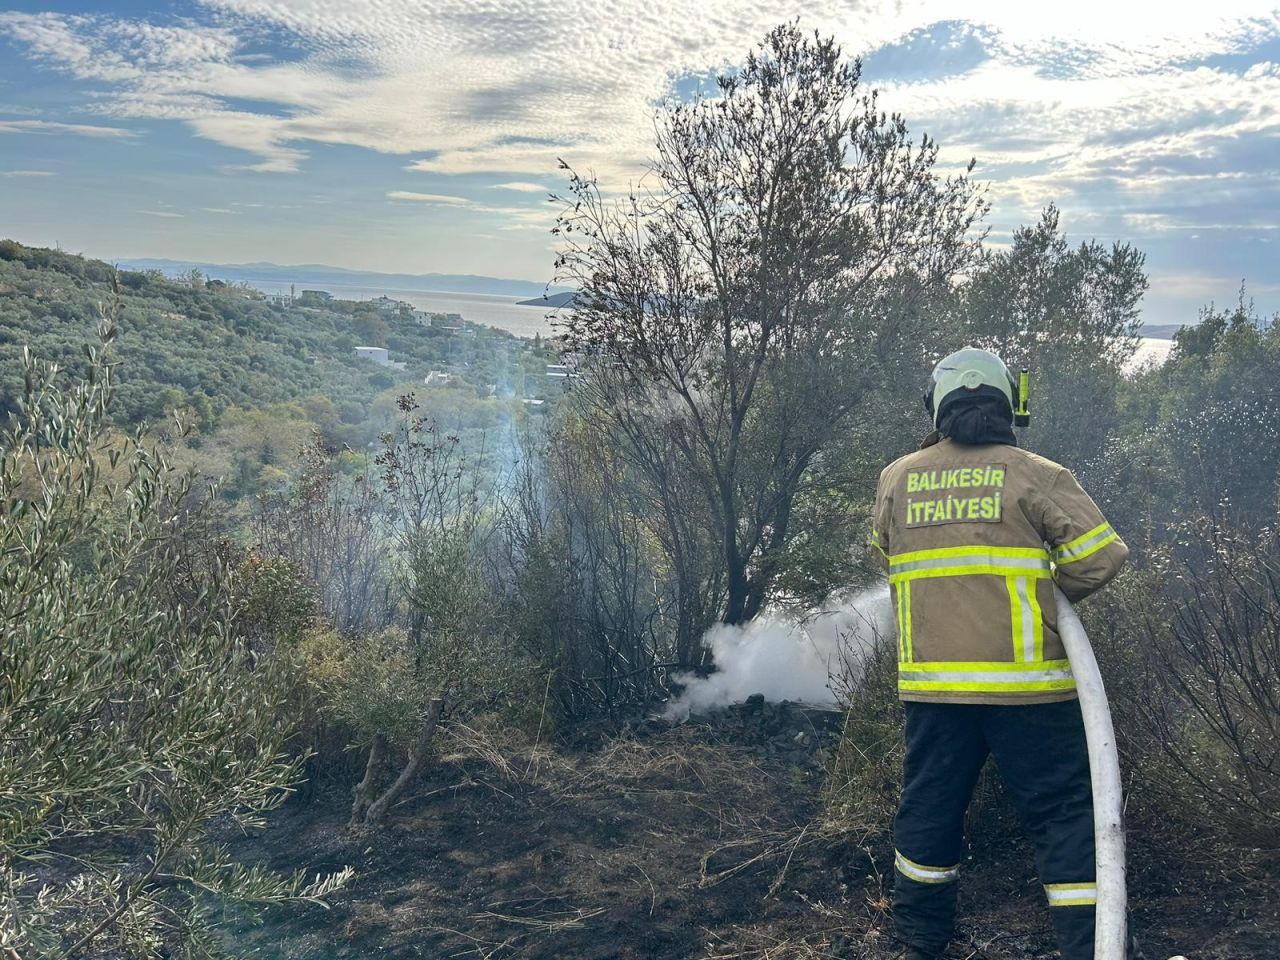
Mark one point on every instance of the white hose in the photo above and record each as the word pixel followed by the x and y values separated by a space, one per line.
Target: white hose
pixel 1104 768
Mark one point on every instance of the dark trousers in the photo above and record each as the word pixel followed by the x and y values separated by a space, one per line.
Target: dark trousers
pixel 1040 750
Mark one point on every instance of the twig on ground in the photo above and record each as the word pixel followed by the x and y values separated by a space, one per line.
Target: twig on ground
pixel 777 883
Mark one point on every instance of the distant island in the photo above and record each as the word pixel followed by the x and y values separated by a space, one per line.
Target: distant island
pixel 321 275
pixel 554 301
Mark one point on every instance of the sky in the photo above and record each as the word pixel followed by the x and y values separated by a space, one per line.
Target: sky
pixel 423 135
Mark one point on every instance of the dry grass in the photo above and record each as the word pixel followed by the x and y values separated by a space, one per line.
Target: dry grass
pixel 505 750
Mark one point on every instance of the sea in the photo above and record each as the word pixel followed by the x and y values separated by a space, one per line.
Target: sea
pixel 505 313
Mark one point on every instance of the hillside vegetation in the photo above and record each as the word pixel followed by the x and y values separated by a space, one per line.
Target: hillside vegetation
pixel 256 382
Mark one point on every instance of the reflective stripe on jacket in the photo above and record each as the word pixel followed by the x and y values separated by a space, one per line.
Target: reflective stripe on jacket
pixel 974 538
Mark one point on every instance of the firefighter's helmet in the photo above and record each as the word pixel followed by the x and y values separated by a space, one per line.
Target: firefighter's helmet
pixel 969 373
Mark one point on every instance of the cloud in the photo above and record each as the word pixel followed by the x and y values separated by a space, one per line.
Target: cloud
pixel 437 198
pixel 218 210
pixel 27 173
pixel 522 186
pixel 161 213
pixel 478 89
pixel 50 127
pixel 1123 118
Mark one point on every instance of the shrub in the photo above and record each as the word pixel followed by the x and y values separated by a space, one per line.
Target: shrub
pixel 1213 696
pixel 866 773
pixel 141 722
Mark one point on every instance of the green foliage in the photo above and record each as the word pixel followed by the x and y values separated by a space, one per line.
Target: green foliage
pixel 862 786
pixel 369 683
pixel 275 602
pixel 1198 437
pixel 1070 316
pixel 133 721
pixel 257 377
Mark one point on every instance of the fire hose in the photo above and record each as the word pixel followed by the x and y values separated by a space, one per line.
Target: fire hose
pixel 1104 769
pixel 1111 929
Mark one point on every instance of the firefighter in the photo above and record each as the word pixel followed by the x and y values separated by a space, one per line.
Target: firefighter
pixel 975 532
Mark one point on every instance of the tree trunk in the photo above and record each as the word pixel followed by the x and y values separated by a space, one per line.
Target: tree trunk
pixel 735 610
pixel 378 810
pixel 364 789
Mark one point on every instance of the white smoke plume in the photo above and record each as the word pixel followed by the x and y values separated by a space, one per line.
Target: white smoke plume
pixel 786 657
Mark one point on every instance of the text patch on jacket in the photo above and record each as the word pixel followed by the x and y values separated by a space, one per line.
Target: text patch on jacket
pixel 954 494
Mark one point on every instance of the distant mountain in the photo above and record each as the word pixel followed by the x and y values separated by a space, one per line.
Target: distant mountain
pixel 552 301
pixel 319 275
pixel 1160 331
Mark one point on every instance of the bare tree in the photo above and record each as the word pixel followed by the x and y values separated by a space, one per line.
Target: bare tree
pixel 335 531
pixel 1213 695
pixel 581 576
pixel 734 313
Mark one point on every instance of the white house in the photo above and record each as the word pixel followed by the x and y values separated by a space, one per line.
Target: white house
pixel 390 306
pixel 377 354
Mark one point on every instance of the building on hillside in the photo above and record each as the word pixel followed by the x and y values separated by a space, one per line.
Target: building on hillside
pixel 387 305
pixel 437 378
pixel 377 354
pixel 317 294
pixel 280 299
pixel 562 374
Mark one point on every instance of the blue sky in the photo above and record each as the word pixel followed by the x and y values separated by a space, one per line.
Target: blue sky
pixel 422 135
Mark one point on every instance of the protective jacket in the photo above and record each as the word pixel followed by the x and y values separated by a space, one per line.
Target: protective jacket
pixel 974 538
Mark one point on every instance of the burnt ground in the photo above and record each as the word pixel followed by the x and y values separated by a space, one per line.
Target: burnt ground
pixel 703 840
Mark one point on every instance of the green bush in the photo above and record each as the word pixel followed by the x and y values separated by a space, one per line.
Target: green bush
pixel 142 721
pixel 866 773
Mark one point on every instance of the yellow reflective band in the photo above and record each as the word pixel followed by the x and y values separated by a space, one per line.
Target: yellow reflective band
pixel 1028 624
pixel 922 874
pixel 1037 623
pixel 969 561
pixel 875 542
pixel 905 590
pixel 938 552
pixel 1071 894
pixel 988 666
pixel 1080 540
pixel 1017 609
pixel 902 628
pixel 971 570
pixel 1085 545
pixel 986 677
pixel 949 686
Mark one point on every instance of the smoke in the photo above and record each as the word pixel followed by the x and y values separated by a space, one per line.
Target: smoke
pixel 811 659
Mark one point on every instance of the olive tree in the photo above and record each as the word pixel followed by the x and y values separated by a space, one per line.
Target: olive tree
pixel 737 311
pixel 1070 315
pixel 129 726
pixel 446 646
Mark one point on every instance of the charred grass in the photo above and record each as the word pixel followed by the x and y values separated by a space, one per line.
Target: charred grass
pixel 704 840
